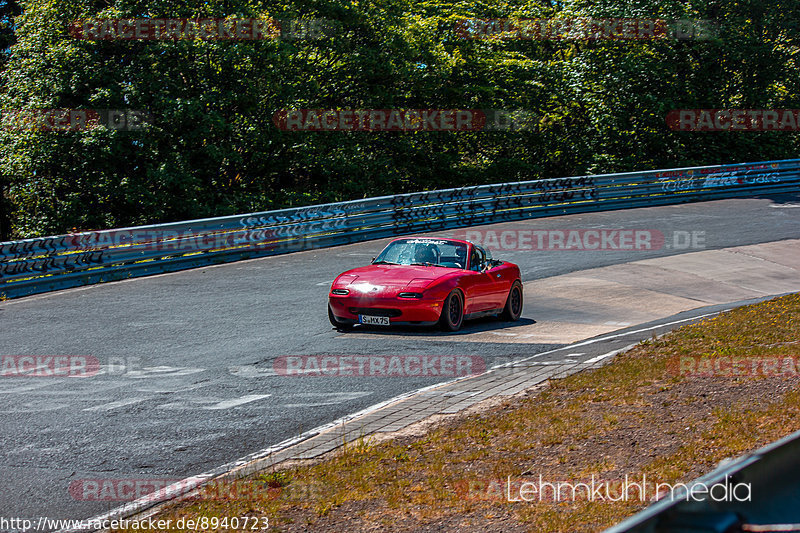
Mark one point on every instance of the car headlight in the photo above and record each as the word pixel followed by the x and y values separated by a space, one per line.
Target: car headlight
pixel 340 292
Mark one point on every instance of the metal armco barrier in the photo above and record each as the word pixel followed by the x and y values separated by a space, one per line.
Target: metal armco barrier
pixel 756 492
pixel 52 263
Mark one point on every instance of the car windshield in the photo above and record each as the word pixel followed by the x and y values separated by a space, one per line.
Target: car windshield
pixel 430 252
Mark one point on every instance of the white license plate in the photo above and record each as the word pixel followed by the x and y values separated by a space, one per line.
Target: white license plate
pixel 374 320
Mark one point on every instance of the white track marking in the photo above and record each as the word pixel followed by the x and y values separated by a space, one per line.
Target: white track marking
pixel 164 388
pixel 296 405
pixel 250 371
pixel 118 403
pixel 161 371
pixel 30 387
pixel 609 354
pixel 36 406
pixel 339 396
pixel 227 404
pixel 326 398
pixel 616 336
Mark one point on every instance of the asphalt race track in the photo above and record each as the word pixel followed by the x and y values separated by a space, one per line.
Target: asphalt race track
pixel 187 382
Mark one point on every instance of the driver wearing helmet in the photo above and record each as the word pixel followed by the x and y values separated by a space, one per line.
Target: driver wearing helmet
pixel 425 253
pixel 461 256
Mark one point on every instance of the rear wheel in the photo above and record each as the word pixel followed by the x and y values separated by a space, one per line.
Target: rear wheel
pixel 452 312
pixel 513 308
pixel 342 326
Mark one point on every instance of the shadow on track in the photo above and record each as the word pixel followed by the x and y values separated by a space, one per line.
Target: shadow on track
pixel 478 325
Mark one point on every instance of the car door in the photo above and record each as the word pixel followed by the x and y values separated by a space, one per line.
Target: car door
pixel 502 277
pixel 480 284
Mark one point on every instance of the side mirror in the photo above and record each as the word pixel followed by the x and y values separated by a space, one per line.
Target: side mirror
pixel 372 260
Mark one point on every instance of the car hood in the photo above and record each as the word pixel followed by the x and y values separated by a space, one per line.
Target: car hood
pixel 393 276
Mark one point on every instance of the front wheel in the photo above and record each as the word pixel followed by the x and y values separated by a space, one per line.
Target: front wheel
pixel 513 308
pixel 342 326
pixel 452 312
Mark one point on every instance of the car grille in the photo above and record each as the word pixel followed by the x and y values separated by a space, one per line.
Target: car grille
pixel 376 311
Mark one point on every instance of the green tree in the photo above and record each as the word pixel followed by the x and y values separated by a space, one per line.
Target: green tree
pixel 211 149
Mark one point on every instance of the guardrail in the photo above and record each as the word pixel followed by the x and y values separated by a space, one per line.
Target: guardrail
pixel 52 263
pixel 756 492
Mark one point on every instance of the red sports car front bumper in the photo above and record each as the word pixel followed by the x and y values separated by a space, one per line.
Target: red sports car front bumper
pixel 413 311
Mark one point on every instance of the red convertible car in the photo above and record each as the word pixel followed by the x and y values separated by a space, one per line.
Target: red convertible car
pixel 420 281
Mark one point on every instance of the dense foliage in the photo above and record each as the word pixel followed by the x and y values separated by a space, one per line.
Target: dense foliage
pixel 211 148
